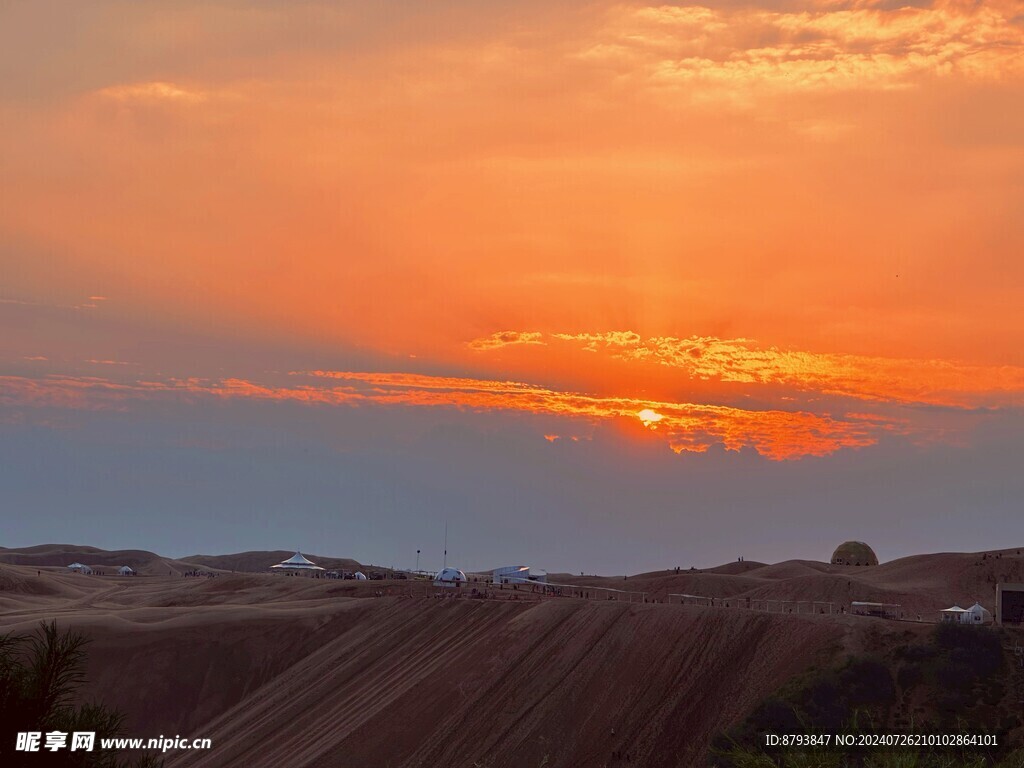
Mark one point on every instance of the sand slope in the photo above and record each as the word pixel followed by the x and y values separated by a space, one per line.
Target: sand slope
pixel 313 672
pixel 280 669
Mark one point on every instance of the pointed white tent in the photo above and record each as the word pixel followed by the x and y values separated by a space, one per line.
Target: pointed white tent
pixel 297 562
pixel 80 568
pixel 450 577
pixel 360 576
pixel 125 570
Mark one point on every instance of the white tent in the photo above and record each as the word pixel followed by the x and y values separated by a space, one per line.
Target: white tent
pixel 978 614
pixel 360 576
pixel 297 563
pixel 955 615
pixel 125 570
pixel 450 577
pixel 80 568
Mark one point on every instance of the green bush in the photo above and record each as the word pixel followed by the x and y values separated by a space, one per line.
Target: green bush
pixel 40 675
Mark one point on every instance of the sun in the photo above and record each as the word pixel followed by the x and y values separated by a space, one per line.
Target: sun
pixel 649 417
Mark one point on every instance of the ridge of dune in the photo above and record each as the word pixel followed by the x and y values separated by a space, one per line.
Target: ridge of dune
pixel 62 555
pixel 318 672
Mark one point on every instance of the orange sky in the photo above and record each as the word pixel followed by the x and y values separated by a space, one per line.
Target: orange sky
pixel 791 211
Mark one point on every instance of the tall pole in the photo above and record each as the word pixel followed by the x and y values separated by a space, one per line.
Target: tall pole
pixel 445 544
pixel 417 561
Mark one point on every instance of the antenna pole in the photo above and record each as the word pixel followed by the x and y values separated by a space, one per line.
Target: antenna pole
pixel 445 544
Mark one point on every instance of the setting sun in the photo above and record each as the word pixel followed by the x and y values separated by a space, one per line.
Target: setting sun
pixel 649 417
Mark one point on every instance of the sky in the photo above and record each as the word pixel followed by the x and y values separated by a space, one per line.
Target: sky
pixel 604 287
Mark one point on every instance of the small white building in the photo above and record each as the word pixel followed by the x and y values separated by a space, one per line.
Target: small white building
pixel 125 570
pixel 451 578
pixel 80 568
pixel 519 574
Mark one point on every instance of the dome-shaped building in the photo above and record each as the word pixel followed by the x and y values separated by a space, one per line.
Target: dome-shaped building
pixel 450 577
pixel 854 553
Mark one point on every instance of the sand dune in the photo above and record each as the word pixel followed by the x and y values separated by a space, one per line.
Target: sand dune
pixel 426 683
pixel 316 672
pixel 322 680
pixel 104 561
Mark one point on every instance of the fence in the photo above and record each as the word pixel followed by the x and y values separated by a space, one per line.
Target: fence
pixel 522 591
pixel 533 590
pixel 756 604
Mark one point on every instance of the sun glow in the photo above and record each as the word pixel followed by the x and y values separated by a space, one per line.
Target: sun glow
pixel 649 417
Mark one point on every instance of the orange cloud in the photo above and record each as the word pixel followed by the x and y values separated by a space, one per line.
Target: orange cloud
pixel 932 382
pixel 153 92
pixel 583 175
pixel 774 434
pixel 734 52
pixel 504 339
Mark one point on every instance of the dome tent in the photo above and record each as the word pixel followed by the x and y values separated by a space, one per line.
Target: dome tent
pixel 854 553
pixel 979 614
pixel 360 576
pixel 450 577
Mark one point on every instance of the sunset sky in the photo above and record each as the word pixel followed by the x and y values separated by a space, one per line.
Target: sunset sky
pixel 606 286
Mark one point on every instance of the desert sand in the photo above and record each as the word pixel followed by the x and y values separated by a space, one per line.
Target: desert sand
pixel 278 669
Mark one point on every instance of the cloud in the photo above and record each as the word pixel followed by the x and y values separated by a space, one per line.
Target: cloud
pixel 937 382
pixel 153 93
pixel 593 341
pixel 775 434
pixel 841 45
pixel 500 339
